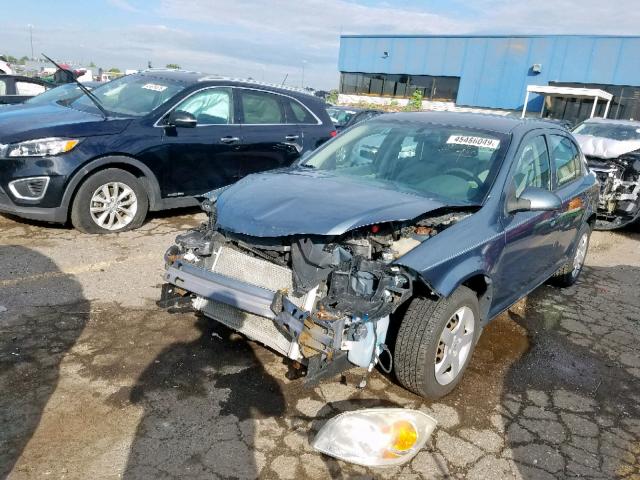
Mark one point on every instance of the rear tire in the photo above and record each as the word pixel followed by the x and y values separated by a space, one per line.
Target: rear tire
pixel 109 201
pixel 423 349
pixel 570 272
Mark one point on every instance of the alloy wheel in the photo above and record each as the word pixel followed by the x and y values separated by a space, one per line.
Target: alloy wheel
pixel 454 345
pixel 581 254
pixel 113 206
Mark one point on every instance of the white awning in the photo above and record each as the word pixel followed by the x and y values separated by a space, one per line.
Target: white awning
pixel 573 92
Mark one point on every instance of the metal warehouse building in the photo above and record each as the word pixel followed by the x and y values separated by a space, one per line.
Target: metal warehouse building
pixel 494 71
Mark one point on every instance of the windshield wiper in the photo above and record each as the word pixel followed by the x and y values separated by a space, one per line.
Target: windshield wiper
pixel 84 89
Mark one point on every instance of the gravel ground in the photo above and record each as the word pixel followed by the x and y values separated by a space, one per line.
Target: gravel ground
pixel 97 382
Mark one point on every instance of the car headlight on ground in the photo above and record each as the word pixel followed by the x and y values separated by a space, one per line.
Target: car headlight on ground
pixel 41 147
pixel 375 437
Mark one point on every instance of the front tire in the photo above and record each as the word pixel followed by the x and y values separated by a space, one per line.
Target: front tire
pixel 109 201
pixel 435 342
pixel 569 273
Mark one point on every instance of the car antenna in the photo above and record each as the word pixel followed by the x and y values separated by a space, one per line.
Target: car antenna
pixel 91 96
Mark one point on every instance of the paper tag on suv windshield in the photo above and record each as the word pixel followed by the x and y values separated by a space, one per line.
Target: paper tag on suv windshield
pixel 154 87
pixel 491 143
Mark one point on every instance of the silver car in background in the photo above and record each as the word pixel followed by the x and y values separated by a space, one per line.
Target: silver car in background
pixel 612 148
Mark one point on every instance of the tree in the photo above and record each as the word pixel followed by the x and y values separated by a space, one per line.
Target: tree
pixel 92 65
pixel 114 70
pixel 23 60
pixel 333 97
pixel 174 66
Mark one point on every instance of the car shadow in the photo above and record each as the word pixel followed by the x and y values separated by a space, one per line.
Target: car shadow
pixel 42 314
pixel 201 402
pixel 570 404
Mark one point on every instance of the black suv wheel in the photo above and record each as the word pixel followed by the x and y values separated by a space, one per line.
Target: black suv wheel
pixel 109 201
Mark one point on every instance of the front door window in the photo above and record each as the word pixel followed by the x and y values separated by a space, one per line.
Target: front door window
pixel 210 107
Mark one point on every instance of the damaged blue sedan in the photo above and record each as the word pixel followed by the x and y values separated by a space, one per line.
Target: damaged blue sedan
pixel 393 244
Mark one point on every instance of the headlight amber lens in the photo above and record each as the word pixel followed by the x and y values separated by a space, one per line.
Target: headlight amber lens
pixel 405 436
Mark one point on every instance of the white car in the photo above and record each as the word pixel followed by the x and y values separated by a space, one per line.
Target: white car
pixel 5 68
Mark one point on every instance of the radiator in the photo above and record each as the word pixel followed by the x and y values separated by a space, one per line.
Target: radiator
pixel 234 264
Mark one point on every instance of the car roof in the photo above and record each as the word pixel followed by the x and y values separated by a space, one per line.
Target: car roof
pixel 496 123
pixel 186 77
pixel 189 78
pixel 27 79
pixel 611 121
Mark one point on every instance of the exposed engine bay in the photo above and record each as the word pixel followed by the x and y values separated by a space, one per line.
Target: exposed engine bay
pixel 322 301
pixel 619 180
pixel 617 166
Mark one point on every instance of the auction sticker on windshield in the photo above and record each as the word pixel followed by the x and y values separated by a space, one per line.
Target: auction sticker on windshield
pixel 154 87
pixel 491 143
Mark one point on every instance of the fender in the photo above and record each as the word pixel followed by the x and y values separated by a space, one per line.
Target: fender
pixel 444 281
pixel 151 184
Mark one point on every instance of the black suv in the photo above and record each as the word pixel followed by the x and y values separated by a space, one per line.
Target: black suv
pixel 150 141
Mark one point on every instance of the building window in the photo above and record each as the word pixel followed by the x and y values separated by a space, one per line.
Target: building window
pixel 399 86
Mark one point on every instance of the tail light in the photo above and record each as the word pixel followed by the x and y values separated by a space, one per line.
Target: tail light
pixel 333 133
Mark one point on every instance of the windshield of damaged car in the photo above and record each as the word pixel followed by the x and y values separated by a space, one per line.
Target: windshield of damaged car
pixel 448 162
pixel 609 130
pixel 131 95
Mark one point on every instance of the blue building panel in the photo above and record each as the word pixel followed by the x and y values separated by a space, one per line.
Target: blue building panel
pixel 494 71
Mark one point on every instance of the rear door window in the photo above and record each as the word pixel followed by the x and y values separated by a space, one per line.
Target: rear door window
pixel 565 159
pixel 297 113
pixel 261 108
pixel 3 87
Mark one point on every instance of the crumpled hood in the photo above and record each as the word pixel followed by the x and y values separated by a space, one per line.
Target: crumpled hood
pixel 601 147
pixel 301 202
pixel 20 124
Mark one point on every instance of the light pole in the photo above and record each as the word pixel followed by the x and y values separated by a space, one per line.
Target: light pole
pixel 302 81
pixel 31 39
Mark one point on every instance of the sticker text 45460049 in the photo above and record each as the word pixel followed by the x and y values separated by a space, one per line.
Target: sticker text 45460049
pixel 484 142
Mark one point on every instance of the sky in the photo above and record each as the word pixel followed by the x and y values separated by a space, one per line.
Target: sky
pixel 271 39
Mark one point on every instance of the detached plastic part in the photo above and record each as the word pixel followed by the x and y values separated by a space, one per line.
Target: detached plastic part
pixel 375 437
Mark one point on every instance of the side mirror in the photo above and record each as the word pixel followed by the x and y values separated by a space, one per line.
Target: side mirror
pixel 534 199
pixel 182 119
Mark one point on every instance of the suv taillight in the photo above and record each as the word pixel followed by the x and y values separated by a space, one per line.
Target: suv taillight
pixel 333 133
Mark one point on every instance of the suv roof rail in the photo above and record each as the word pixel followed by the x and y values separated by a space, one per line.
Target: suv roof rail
pixel 161 69
pixel 254 82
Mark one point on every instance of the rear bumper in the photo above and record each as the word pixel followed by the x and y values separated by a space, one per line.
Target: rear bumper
pixel 54 214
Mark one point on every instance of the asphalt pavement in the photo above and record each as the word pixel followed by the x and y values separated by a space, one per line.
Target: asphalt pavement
pixel 97 382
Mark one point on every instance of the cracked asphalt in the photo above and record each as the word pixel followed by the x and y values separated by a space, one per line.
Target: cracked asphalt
pixel 97 382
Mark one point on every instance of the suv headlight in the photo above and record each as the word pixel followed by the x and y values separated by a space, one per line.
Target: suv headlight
pixel 41 147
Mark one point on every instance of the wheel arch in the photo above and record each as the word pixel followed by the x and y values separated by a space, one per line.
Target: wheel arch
pixel 470 273
pixel 123 162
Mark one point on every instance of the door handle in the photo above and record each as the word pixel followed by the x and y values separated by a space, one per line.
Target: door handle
pixel 229 139
pixel 291 138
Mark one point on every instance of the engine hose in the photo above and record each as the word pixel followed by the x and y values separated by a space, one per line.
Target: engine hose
pixel 386 349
